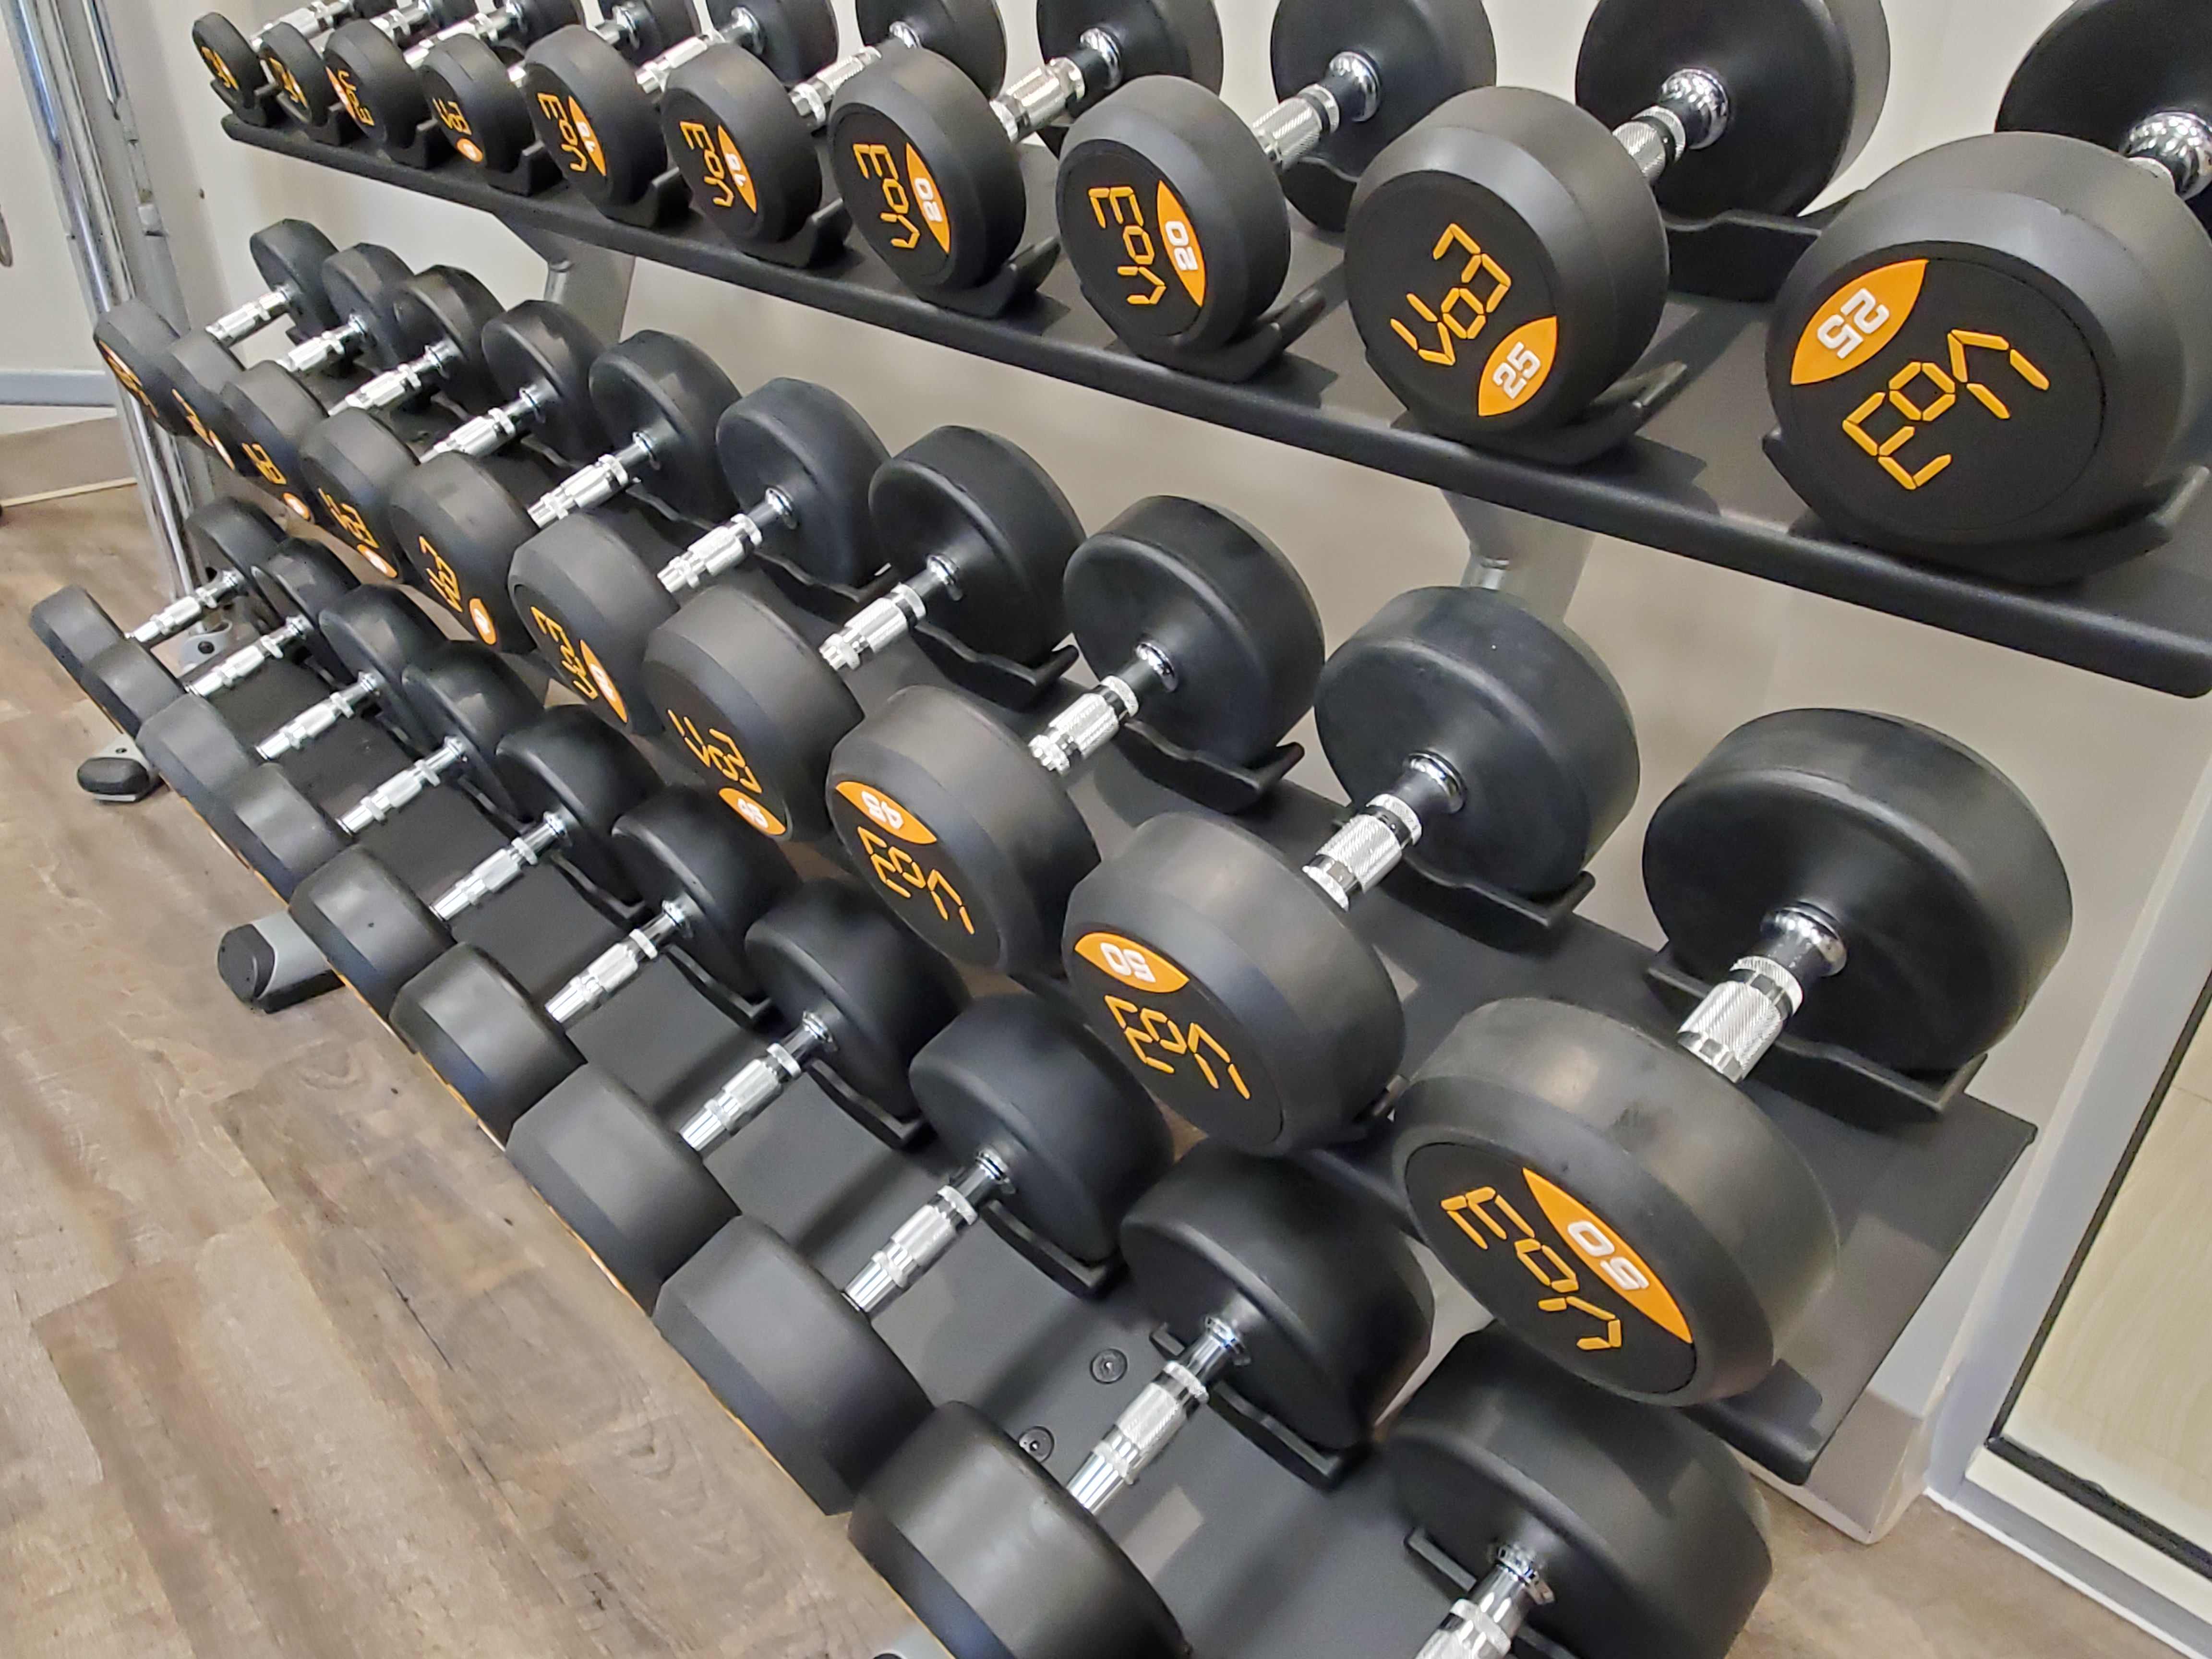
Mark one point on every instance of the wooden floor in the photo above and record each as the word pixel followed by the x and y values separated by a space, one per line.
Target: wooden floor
pixel 291 1362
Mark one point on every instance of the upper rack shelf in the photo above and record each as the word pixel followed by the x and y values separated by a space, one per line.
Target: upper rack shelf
pixel 1693 481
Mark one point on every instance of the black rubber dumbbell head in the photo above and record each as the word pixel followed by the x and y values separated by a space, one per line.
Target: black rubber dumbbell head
pixel 290 254
pixel 681 848
pixel 545 347
pixel 656 384
pixel 302 86
pixel 457 526
pixel 234 69
pixel 1649 1536
pixel 485 116
pixel 135 341
pixel 447 308
pixel 965 33
pixel 349 466
pixel 267 412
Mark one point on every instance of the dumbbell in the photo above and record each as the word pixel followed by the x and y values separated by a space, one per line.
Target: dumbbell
pixel 234 59
pixel 799 456
pixel 1867 883
pixel 980 537
pixel 704 881
pixel 658 400
pixel 427 339
pixel 1196 624
pixel 1489 748
pixel 1615 1529
pixel 368 639
pixel 289 589
pixel 477 97
pixel 463 699
pixel 537 357
pixel 1313 1310
pixel 858 998
pixel 600 116
pixel 226 541
pixel 1506 260
pixel 2003 341
pixel 931 164
pixel 135 340
pixel 1037 1122
pixel 744 141
pixel 1173 211
pixel 376 76
pixel 358 283
pixel 573 779
pixel 304 89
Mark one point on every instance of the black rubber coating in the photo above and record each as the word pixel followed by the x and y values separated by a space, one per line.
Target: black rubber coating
pixel 568 760
pixel 371 927
pixel 484 1035
pixel 684 847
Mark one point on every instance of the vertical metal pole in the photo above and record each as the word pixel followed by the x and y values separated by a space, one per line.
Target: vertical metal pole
pixel 1532 560
pixel 44 54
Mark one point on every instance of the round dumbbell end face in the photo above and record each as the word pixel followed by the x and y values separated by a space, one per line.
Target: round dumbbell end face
pixel 967 32
pixel 379 632
pixel 939 1520
pixel 925 167
pixel 1229 613
pixel 1080 1140
pixel 372 928
pixel 361 282
pixel 1649 1532
pixel 73 627
pixel 1806 81
pixel 458 527
pixel 1943 884
pixel 827 951
pixel 794 38
pixel 130 684
pixel 547 349
pixel 752 707
pixel 1611 1200
pixel 290 254
pixel 485 116
pixel 1423 51
pixel 283 836
pixel 134 341
pixel 682 847
pixel 1505 263
pixel 793 1360
pixel 1336 1309
pixel 466 693
pixel 232 65
pixel 642 1201
pixel 299 582
pixel 569 761
pixel 1181 37
pixel 591 117
pixel 198 369
pixel 349 466
pixel 588 589
pixel 802 445
pixel 446 307
pixel 747 154
pixel 374 81
pixel 955 826
pixel 1172 216
pixel 296 69
pixel 269 413
pixel 656 384
pixel 484 1037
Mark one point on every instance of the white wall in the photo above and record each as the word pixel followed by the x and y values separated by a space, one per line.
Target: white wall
pixel 1699 649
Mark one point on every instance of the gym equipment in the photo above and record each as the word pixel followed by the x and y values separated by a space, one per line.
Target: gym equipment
pixel 704 878
pixel 858 999
pixel 657 399
pixel 932 163
pixel 796 455
pixel 1495 755
pixel 234 59
pixel 1996 353
pixel 270 965
pixel 1196 624
pixel 1316 1311
pixel 477 97
pixel 375 77
pixel 288 591
pixel 600 116
pixel 1174 212
pixel 979 536
pixel 537 356
pixel 463 699
pixel 1040 1126
pixel 572 778
pixel 426 338
pixel 373 635
pixel 1506 260
pixel 744 141
pixel 1618 1531
pixel 358 282
pixel 1614 1199
pixel 305 90
pixel 135 340
pixel 226 541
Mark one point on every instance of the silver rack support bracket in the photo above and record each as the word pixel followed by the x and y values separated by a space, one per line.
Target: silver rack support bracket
pixel 1533 560
pixel 591 281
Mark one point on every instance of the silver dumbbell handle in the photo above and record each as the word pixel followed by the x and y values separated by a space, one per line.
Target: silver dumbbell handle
pixel 1047 93
pixel 1740 1017
pixel 1483 1624
pixel 1152 1421
pixel 311 722
pixel 621 963
pixel 923 1239
pixel 1693 111
pixel 327 349
pixel 254 315
pixel 249 659
pixel 755 1085
pixel 502 869
pixel 596 484
pixel 1297 127
pixel 495 429
pixel 312 19
pixel 2176 144
pixel 812 97
pixel 1088 724
pixel 741 29
pixel 173 618
pixel 396 386
pixel 729 543
pixel 403 788
pixel 878 625
pixel 1376 839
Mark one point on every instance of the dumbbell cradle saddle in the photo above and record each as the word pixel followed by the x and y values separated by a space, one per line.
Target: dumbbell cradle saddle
pixel 704 880
pixel 744 141
pixel 1491 751
pixel 659 400
pixel 1037 1123
pixel 1506 260
pixel 799 458
pixel 1174 212
pixel 980 538
pixel 1195 624
pixel 598 116
pixel 1314 1310
pixel 375 76
pixel 856 999
pixel 931 164
pixel 572 779
pixel 1616 1200
pixel 1999 346
pixel 305 90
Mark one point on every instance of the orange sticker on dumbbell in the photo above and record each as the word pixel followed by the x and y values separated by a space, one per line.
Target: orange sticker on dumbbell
pixel 887 815
pixel 1860 318
pixel 755 814
pixel 1519 368
pixel 1624 1271
pixel 1136 966
pixel 929 199
pixel 1185 256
